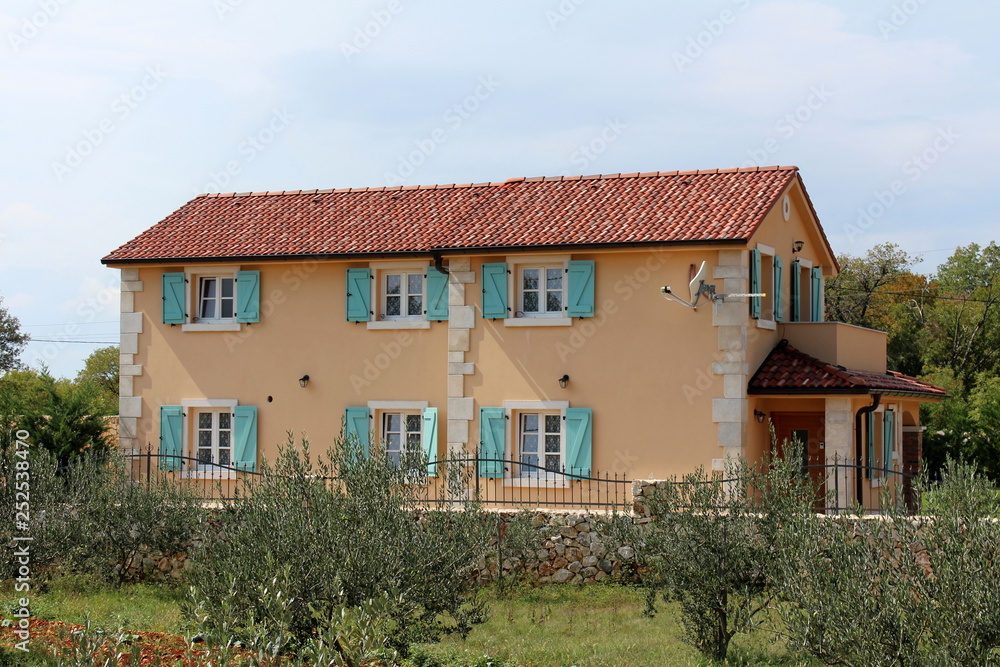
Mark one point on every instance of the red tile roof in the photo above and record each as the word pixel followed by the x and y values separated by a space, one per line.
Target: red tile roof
pixel 789 371
pixel 718 205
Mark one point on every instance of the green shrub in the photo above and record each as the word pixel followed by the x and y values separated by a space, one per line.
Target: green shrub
pixel 357 550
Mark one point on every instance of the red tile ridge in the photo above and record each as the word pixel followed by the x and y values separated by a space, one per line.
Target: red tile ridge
pixel 515 179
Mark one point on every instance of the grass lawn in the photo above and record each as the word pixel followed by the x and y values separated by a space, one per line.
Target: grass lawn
pixel 552 625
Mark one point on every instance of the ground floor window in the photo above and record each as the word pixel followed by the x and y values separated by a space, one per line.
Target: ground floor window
pixel 214 437
pixel 540 442
pixel 401 434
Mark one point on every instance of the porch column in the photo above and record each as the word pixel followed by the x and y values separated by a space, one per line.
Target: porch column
pixel 839 440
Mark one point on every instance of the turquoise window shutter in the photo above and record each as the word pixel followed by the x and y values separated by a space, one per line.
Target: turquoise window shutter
pixel 495 290
pixel 248 296
pixel 817 294
pixel 796 292
pixel 359 292
pixel 779 304
pixel 429 440
pixel 245 436
pixel 437 295
pixel 171 428
pixel 357 432
pixel 888 425
pixel 579 436
pixel 492 432
pixel 755 283
pixel 581 288
pixel 871 444
pixel 173 298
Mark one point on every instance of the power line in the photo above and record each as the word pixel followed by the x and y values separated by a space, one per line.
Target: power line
pixel 86 342
pixel 67 324
pixel 914 295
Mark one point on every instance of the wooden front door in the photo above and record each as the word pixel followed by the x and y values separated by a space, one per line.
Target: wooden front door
pixel 809 428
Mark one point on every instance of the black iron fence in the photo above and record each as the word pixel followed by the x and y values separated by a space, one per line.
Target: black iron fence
pixel 842 486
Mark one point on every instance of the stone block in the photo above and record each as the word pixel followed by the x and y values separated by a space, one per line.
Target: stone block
pixel 131 286
pixel 461 317
pixel 129 275
pixel 461 369
pixel 129 406
pixel 456 386
pixel 127 302
pixel 458 431
pixel 728 410
pixel 456 357
pixel 126 386
pixel 130 369
pixel 731 434
pixel 131 323
pixel 460 408
pixel 734 386
pixel 458 340
pixel 129 343
pixel 456 264
pixel 729 368
pixel 456 294
pixel 127 427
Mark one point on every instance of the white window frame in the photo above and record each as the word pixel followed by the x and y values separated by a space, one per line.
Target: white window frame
pixel 516 264
pixel 192 298
pixel 512 412
pixel 377 297
pixel 378 410
pixel 190 407
pixel 766 319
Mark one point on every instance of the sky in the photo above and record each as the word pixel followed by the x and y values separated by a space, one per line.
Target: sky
pixel 114 113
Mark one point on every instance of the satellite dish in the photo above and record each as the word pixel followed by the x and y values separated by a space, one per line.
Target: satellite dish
pixel 698 281
pixel 699 287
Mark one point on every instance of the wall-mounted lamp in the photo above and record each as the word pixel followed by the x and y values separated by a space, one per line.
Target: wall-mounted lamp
pixel 563 381
pixel 304 381
pixel 759 415
pixel 797 246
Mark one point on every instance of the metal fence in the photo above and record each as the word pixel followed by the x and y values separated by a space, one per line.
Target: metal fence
pixel 842 486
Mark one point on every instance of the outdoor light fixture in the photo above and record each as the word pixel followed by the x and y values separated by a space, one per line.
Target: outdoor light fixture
pixel 797 246
pixel 563 381
pixel 759 415
pixel 304 381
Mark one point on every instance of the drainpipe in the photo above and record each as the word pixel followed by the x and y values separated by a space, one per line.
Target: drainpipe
pixel 858 425
pixel 439 262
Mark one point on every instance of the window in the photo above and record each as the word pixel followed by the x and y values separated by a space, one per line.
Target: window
pixel 216 299
pixel 201 435
pixel 538 290
pixel 531 440
pixel 765 276
pixel 401 433
pixel 397 295
pixel 213 440
pixel 211 298
pixel 403 428
pixel 539 441
pixel 801 288
pixel 542 291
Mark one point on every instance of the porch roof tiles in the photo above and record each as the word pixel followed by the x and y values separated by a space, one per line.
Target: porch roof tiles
pixel 787 370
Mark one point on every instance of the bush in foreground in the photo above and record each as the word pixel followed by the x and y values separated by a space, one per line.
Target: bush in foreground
pixel 318 551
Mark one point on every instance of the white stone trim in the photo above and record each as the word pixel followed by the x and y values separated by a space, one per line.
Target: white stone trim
pixel 399 324
pixel 208 403
pixel 130 327
pixel 211 326
pixel 509 406
pixel 538 321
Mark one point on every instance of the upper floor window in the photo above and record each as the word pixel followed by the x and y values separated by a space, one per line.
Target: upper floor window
pixel 397 295
pixel 766 269
pixel 211 298
pixel 538 290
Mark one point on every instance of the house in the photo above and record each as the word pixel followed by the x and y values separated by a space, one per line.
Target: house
pixel 521 318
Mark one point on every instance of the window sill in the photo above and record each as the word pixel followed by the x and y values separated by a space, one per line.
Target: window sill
pixel 399 324
pixel 538 321
pixel 770 325
pixel 211 326
pixel 209 474
pixel 554 482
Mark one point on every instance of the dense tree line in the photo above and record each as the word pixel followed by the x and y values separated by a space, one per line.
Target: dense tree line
pixel 943 328
pixel 65 417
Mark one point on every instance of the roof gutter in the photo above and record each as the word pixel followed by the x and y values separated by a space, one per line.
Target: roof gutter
pixel 859 470
pixel 471 250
